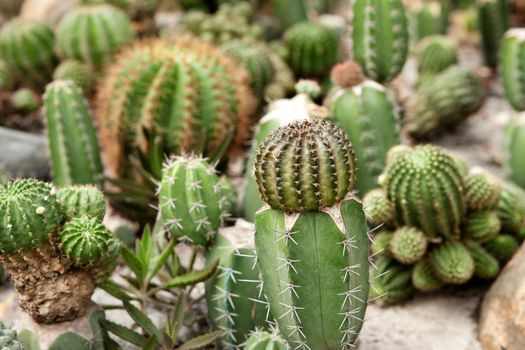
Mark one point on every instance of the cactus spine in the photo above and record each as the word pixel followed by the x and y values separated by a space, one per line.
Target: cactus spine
pixel 260 340
pixel 514 147
pixel 493 19
pixel 75 155
pixel 317 297
pixel 390 281
pixel 380 37
pixel 77 72
pixel 512 71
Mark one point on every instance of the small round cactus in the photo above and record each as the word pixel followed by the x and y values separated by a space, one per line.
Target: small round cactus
pixel 82 200
pixel 482 226
pixel 485 265
pixel 77 72
pixel 423 277
pixel 436 53
pixel 408 245
pixel 304 166
pixel 347 74
pixel 261 340
pixel 502 247
pixel 390 281
pixel 378 209
pixel 25 100
pixel 381 242
pixel 9 339
pixel 452 263
pixel 482 190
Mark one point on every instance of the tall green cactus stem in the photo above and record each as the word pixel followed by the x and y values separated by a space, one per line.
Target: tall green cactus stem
pixel 493 21
pixel 236 304
pixel 426 188
pixel 191 199
pixel 514 148
pixel 9 339
pixel 512 70
pixel 26 46
pixel 511 208
pixel 390 282
pixel 6 78
pixel 379 245
pixel 368 117
pixel 452 262
pixel 80 200
pixel 25 100
pixel 435 54
pixel 318 297
pixel 482 226
pixel 380 37
pixel 347 74
pixel 408 245
pixel 290 12
pixel 261 340
pixel 483 190
pixel 427 18
pixel 77 72
pixel 92 34
pixel 313 49
pixel 378 209
pixel 502 247
pixel 73 145
pixel 423 277
pixel 485 265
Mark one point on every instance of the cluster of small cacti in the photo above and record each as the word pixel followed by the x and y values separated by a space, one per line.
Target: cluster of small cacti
pixel 439 225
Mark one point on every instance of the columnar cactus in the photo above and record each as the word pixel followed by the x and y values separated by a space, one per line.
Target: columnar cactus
pixel 26 46
pixel 380 37
pixel 390 281
pixel 25 100
pixel 82 200
pixel 435 54
pixel 485 265
pixel 482 226
pixel 502 247
pixel 512 72
pixel 493 20
pixel 378 209
pixel 407 245
pixel 313 49
pixel 427 18
pixel 514 148
pixel 423 277
pixel 92 34
pixel 73 145
pixel 261 340
pixel 9 339
pixel 482 190
pixel 77 72
pixel 305 171
pixel 452 262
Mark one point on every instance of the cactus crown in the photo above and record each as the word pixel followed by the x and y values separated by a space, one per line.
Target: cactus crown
pixel 82 200
pixel 408 245
pixel 304 166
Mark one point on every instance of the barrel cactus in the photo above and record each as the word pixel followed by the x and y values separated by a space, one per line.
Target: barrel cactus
pixel 511 208
pixel 81 200
pixel 486 266
pixel 305 171
pixel 435 54
pixel 380 243
pixel 77 72
pixel 512 71
pixel 407 245
pixel 427 18
pixel 493 21
pixel 25 100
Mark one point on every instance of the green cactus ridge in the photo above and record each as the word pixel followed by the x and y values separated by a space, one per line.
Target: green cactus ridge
pixel 408 245
pixel 512 71
pixel 428 18
pixel 91 34
pixel 423 277
pixel 9 339
pixel 482 226
pixel 80 200
pixel 390 282
pixel 261 340
pixel 77 72
pixel 380 37
pixel 86 241
pixel 436 53
pixel 511 208
pixel 378 209
pixel 6 78
pixel 502 247
pixel 426 188
pixel 305 166
pixel 514 146
pixel 493 20
pixel 485 265
pixel 28 213
pixel 483 190
pixel 25 100
pixel 379 245
pixel 73 144
pixel 452 263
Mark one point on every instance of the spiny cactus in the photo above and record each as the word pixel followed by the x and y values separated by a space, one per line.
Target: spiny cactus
pixel 408 245
pixel 485 265
pixel 305 171
pixel 368 117
pixel 502 247
pixel 82 200
pixel 511 208
pixel 26 46
pixel 482 226
pixel 6 78
pixel 435 54
pixel 493 20
pixel 452 96
pixel 347 74
pixel 379 45
pixel 512 72
pixel 390 281
pixel 514 148
pixel 261 340
pixel 73 145
pixel 25 100
pixel 427 18
pixel 9 339
pixel 77 72
pixel 452 262
pixel 423 277
pixel 380 243
pixel 482 190
pixel 91 34
pixel 313 49
pixel 378 209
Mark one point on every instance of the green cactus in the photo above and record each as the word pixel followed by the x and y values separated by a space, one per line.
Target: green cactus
pixel 408 245
pixel 452 96
pixel 482 190
pixel 514 147
pixel 9 338
pixel 502 247
pixel 73 145
pixel 512 73
pixel 380 242
pixel 485 265
pixel 435 54
pixel 228 191
pixel 390 282
pixel 25 100
pixel 482 226
pixel 92 34
pixel 461 163
pixel 511 208
pixel 318 302
pixel 313 49
pixel 77 72
pixel 6 78
pixel 290 12
pixel 493 21
pixel 261 340
pixel 310 88
pixel 368 117
pixel 380 37
pixel 428 18
pixel 26 46
pixel 82 200
pixel 423 277
pixel 452 262
pixel 378 209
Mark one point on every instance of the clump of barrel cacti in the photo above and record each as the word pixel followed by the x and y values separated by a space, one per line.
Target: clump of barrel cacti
pixel 514 147
pixel 448 99
pixel 435 54
pixel 390 281
pixel 54 262
pixel 493 21
pixel 73 145
pixel 25 100
pixel 9 339
pixel 77 72
pixel 26 46
pixel 261 340
pixel 305 171
pixel 427 18
pixel 93 33
pixel 81 200
pixel 6 78
pixel 312 49
pixel 512 72
pixel 380 47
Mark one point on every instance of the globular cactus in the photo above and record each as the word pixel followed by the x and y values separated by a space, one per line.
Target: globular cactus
pixel 481 226
pixel 434 54
pixel 380 242
pixel 192 201
pixel 514 147
pixel 92 34
pixel 313 49
pixel 9 339
pixel 305 171
pixel 427 18
pixel 77 72
pixel 82 200
pixel 378 209
pixel 423 277
pixel 25 100
pixel 369 118
pixel 485 265
pixel 379 45
pixel 493 21
pixel 452 262
pixel 511 208
pixel 73 144
pixel 390 281
pixel 6 77
pixel 512 72
pixel 26 46
pixel 407 245
pixel 261 340
pixel 502 247
pixel 482 190
pixel 448 99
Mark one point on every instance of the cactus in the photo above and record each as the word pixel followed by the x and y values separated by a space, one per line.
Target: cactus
pixel 435 54
pixel 313 49
pixel 9 339
pixel 514 147
pixel 290 12
pixel 73 145
pixel 6 78
pixel 428 18
pixel 26 46
pixel 511 208
pixel 482 190
pixel 408 245
pixel 502 247
pixel 380 37
pixel 485 265
pixel 91 34
pixel 77 72
pixel 228 191
pixel 347 74
pixel 481 226
pixel 512 72
pixel 82 200
pixel 308 171
pixel 260 340
pixel 310 88
pixel 390 282
pixel 452 263
pixel 368 117
pixel 423 277
pixel 453 95
pixel 378 209
pixel 493 20
pixel 25 100
pixel 379 245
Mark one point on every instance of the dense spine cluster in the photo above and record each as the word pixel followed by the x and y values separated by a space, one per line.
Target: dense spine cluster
pixel 482 190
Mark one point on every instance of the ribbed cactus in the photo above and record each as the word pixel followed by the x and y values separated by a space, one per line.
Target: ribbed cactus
pixel 6 77
pixel 493 21
pixel 368 117
pixel 380 37
pixel 452 96
pixel 318 297
pixel 423 277
pixel 435 54
pixel 378 209
pixel 512 71
pixel 452 262
pixel 390 281
pixel 514 148
pixel 81 200
pixel 502 247
pixel 313 49
pixel 26 46
pixel 379 244
pixel 511 208
pixel 485 265
pixel 9 339
pixel 25 100
pixel 77 72
pixel 427 18
pixel 261 340
pixel 73 145
pixel 482 190
pixel 481 226
pixel 407 245
pixel 92 34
